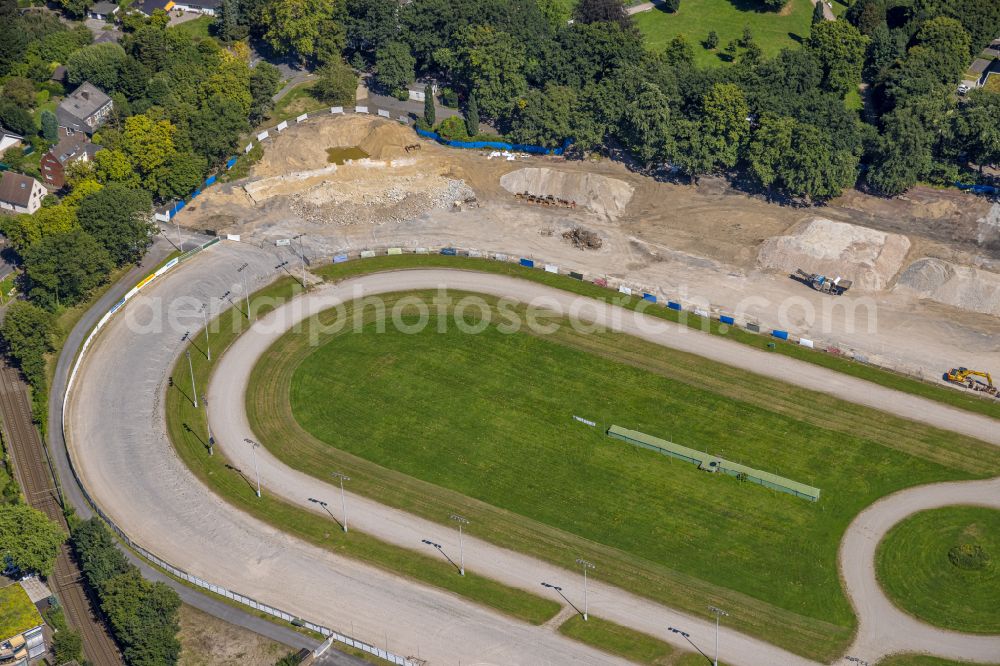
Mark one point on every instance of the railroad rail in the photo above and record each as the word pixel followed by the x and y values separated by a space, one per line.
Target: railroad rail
pixel 33 473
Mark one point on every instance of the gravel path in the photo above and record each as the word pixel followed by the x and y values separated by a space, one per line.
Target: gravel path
pixel 119 445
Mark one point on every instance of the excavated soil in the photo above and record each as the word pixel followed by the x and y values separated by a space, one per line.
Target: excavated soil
pixel 868 257
pixel 959 286
pixel 604 196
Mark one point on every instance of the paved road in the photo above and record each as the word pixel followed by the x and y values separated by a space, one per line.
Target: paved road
pixel 160 504
pixel 118 444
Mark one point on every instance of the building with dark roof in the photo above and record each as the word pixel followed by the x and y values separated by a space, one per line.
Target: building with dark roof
pixel 19 193
pixel 207 7
pixel 85 109
pixel 147 7
pixel 103 10
pixel 72 147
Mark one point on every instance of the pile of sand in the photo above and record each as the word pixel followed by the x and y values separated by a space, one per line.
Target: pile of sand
pixel 303 147
pixel 604 196
pixel 952 284
pixel 868 257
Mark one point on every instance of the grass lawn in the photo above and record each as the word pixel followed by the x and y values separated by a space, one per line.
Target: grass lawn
pixel 943 566
pixel 186 426
pixel 772 31
pixel 297 101
pixel 621 641
pixel 17 613
pixel 921 660
pixel 957 398
pixel 195 28
pixel 481 424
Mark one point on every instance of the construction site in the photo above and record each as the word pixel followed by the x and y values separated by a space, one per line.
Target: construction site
pixel 924 269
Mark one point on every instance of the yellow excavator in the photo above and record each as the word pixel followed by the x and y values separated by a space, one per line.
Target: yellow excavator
pixel 966 377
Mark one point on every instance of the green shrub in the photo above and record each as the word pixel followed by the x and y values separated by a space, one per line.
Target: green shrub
pixel 969 556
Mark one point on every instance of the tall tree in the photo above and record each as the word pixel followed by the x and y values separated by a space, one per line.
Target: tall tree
pixel 297 26
pixel 28 539
pixel 977 129
pixel 337 84
pixel 646 127
pixel 472 116
pixel 63 269
pixel 119 218
pixel 264 80
pixel 491 64
pixel 725 123
pixel 602 11
pixel 840 49
pixel 27 336
pixel 544 118
pixel 818 14
pixel 100 64
pixel 50 126
pixel 429 111
pixel 394 66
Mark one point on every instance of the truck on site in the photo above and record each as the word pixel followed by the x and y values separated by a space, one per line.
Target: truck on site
pixel 836 286
pixel 968 378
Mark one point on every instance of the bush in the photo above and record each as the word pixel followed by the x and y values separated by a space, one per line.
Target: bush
pixel 449 98
pixel 969 556
pixel 67 646
pixel 671 5
pixel 712 41
pixel 453 129
pixel 337 84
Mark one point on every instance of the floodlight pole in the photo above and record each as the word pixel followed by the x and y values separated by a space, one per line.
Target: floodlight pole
pixel 194 389
pixel 208 346
pixel 246 293
pixel 253 452
pixel 586 565
pixel 343 498
pixel 718 614
pixel 461 548
pixel 208 426
pixel 302 256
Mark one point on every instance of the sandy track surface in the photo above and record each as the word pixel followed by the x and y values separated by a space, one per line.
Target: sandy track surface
pixel 884 628
pixel 118 443
pixel 120 447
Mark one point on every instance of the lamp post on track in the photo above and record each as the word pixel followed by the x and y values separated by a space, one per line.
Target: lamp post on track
pixel 246 293
pixel 718 614
pixel 253 451
pixel 586 565
pixel 461 549
pixel 343 498
pixel 194 388
pixel 208 345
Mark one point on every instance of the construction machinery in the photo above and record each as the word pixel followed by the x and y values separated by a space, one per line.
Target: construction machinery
pixel 967 378
pixel 822 283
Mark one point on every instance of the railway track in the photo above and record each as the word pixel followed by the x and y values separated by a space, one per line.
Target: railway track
pixel 35 477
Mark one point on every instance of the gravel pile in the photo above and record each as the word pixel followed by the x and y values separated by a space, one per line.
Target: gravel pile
pixel 404 200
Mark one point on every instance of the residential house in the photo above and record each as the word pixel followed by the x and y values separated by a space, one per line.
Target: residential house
pixel 85 109
pixel 19 193
pixel 206 7
pixel 72 147
pixel 103 10
pixel 147 7
pixel 21 636
pixel 9 139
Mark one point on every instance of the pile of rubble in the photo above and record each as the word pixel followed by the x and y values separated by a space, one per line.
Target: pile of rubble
pixel 583 239
pixel 405 199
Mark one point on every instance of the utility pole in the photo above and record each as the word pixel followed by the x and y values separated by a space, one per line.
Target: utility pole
pixel 253 451
pixel 461 548
pixel 343 498
pixel 246 293
pixel 586 565
pixel 302 256
pixel 718 614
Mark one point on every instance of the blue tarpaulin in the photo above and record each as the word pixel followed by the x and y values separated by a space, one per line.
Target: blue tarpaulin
pixel 527 263
pixel 781 335
pixel 210 180
pixel 673 305
pixel 978 189
pixel 496 145
pixel 449 251
pixel 727 320
pixel 230 163
pixel 649 297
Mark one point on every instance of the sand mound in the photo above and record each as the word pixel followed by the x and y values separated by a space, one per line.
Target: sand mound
pixel 868 257
pixel 951 284
pixel 304 147
pixel 605 196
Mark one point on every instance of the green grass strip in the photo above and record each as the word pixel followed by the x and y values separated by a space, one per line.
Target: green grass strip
pixel 924 660
pixel 887 378
pixel 187 430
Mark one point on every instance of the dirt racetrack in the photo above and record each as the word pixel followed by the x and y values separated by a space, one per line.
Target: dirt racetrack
pixel 697 244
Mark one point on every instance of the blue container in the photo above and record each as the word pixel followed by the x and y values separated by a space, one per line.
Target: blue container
pixel 340 258
pixel 527 263
pixel 649 297
pixel 781 335
pixel 230 162
pixel 673 306
pixel 448 251
pixel 727 320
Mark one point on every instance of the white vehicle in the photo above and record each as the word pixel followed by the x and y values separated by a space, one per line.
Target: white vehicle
pixel 963 89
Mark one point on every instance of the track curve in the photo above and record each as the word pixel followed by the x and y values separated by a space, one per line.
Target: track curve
pixel 119 444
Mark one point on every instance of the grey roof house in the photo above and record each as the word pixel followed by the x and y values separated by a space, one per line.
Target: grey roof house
pixel 85 109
